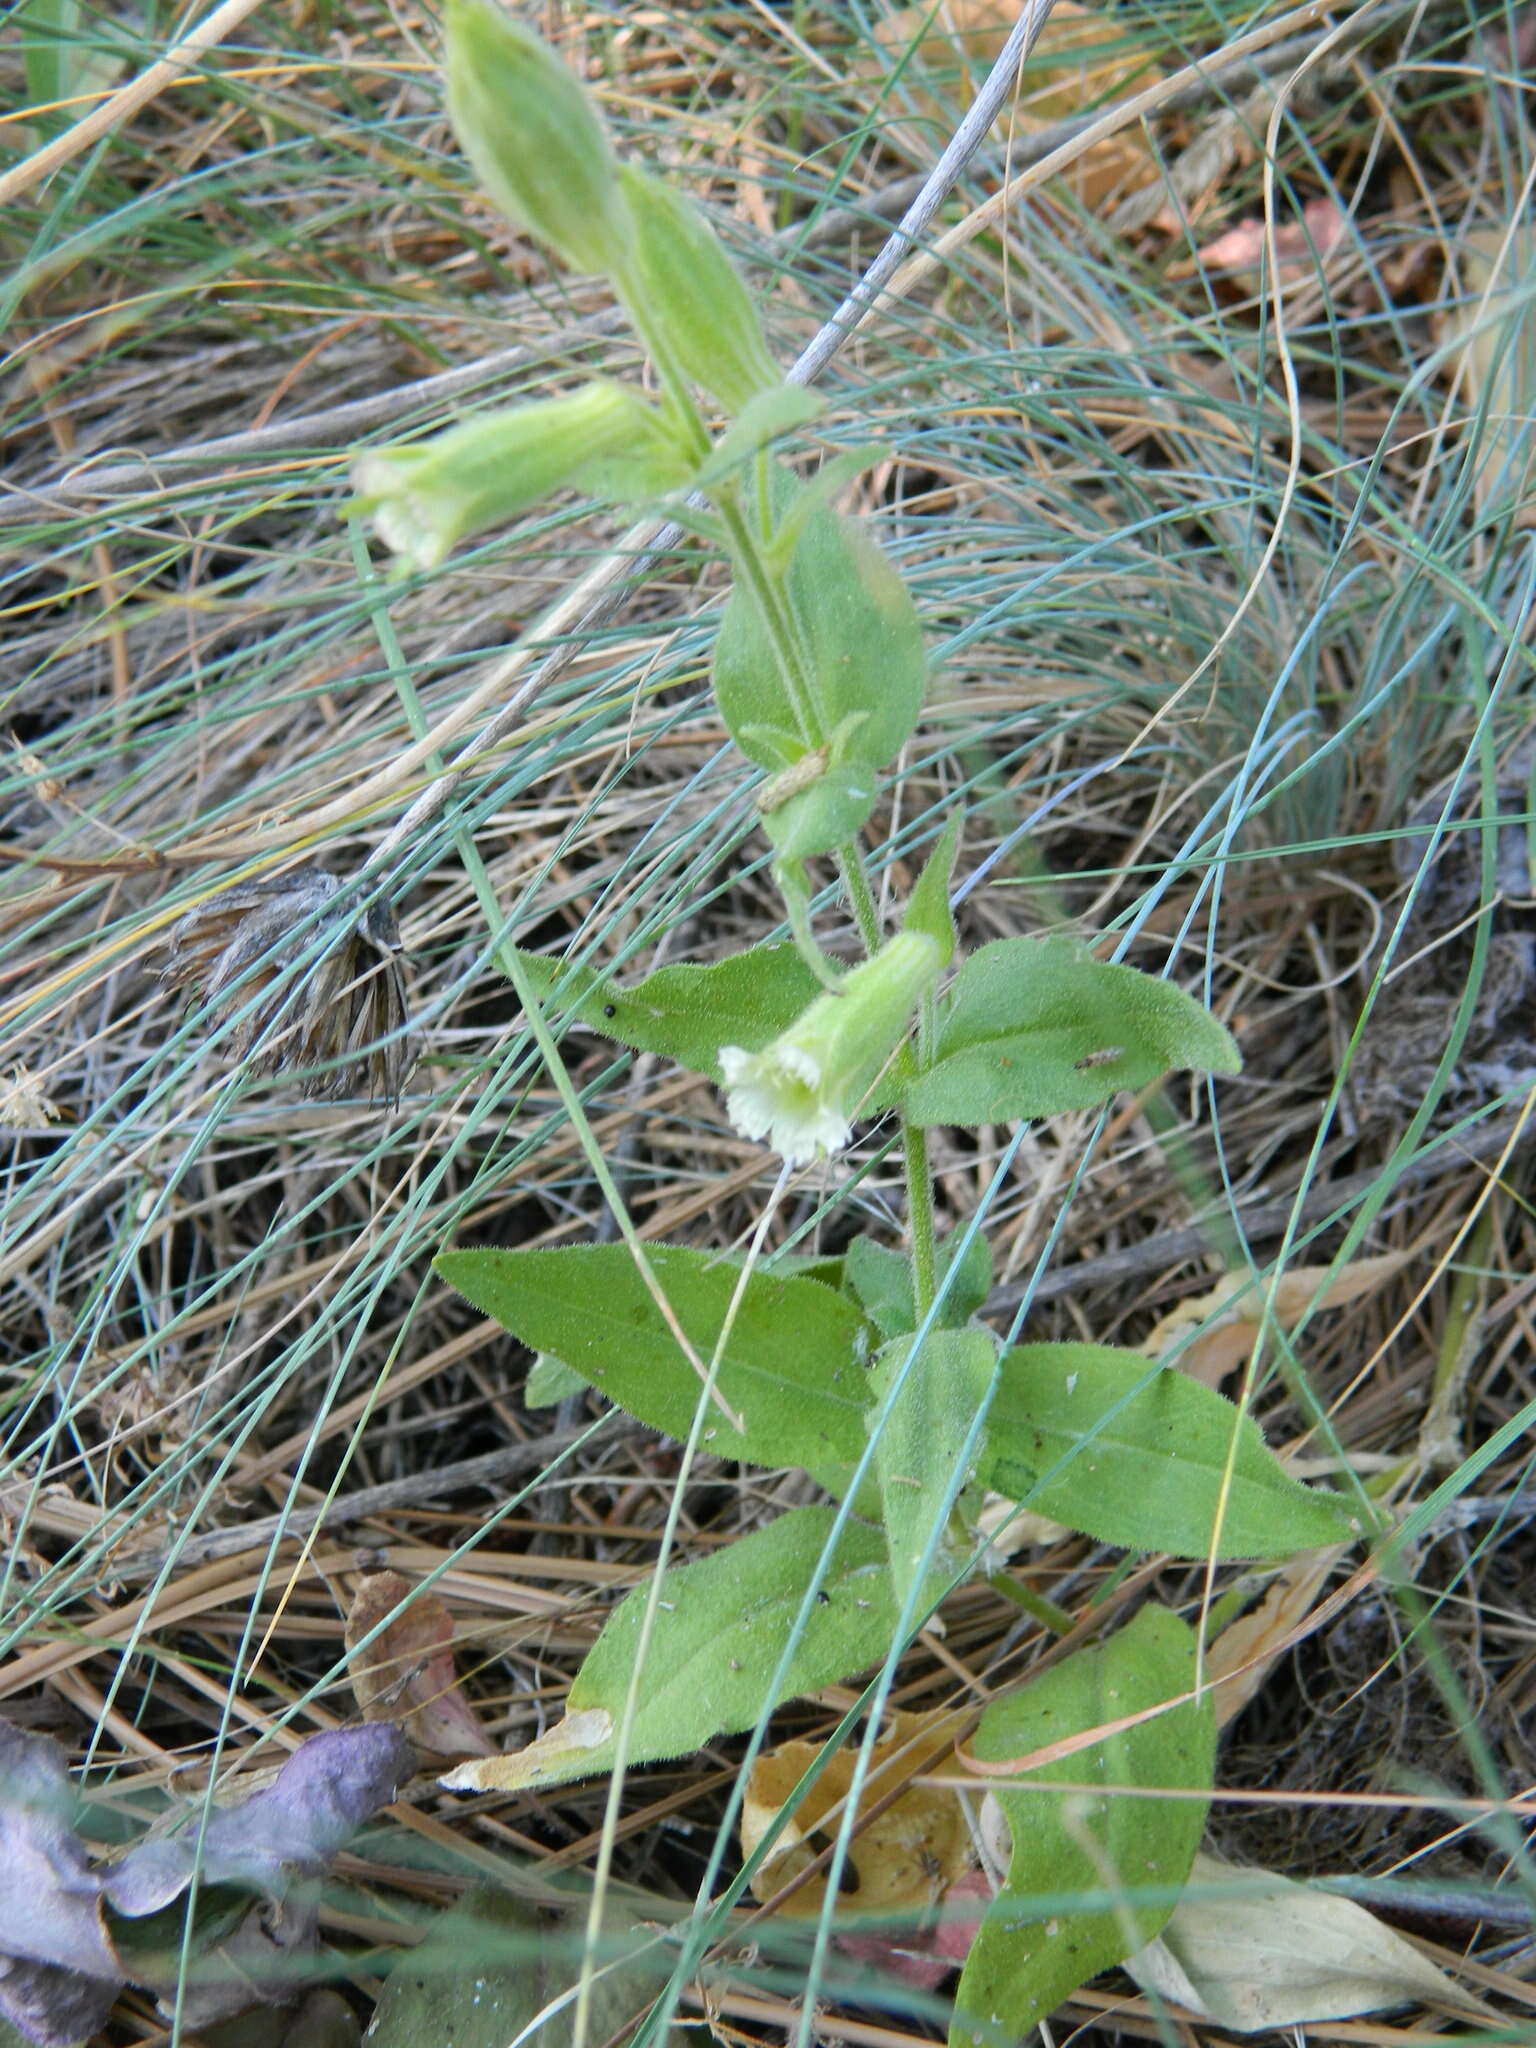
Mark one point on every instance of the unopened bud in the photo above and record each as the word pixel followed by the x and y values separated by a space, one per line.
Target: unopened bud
pixel 533 135
pixel 686 292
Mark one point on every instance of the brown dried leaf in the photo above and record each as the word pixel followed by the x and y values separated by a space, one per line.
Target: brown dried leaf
pixel 406 1672
pixel 1255 1639
pixel 1233 1311
pixel 1300 246
pixel 1497 361
pixel 542 1761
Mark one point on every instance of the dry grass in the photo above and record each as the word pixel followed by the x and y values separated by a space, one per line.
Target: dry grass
pixel 228 1377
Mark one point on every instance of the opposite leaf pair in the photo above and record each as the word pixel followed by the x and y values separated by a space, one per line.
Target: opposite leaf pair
pixel 1097 1438
pixel 1028 1027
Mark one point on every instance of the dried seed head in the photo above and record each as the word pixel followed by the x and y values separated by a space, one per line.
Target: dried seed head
pixel 339 1019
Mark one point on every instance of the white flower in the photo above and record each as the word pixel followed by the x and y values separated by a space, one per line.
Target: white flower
pixel 777 1095
pixel 803 1091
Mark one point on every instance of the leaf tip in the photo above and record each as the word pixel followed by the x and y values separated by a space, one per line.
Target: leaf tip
pixel 547 1759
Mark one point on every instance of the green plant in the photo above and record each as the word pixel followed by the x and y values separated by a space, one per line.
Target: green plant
pixel 874 1370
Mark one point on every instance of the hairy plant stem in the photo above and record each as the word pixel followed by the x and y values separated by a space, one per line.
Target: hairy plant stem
pixel 914 1139
pixel 861 898
pixel 766 585
pixel 914 1146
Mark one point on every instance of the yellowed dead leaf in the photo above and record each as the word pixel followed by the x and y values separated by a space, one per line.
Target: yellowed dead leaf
pixel 1080 63
pixel 1251 1644
pixel 1233 1310
pixel 1270 1953
pixel 406 1673
pixel 905 1859
pixel 540 1763
pixel 1497 361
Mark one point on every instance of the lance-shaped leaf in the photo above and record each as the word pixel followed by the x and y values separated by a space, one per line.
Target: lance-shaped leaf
pixel 687 1012
pixel 1033 1027
pixel 1132 1454
pixel 1126 1857
pixel 1255 1951
pixel 789 1367
pixel 687 296
pixel 880 1280
pixel 497 1969
pixel 719 1630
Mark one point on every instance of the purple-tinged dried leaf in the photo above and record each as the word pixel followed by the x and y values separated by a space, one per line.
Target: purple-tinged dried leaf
pixel 58 1974
pixel 52 2006
pixel 322 1794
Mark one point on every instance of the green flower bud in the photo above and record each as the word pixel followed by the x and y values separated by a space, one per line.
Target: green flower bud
pixel 426 496
pixel 533 135
pixel 684 290
pixel 803 1091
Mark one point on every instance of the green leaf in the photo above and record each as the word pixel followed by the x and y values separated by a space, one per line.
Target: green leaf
pixel 834 476
pixel 918 1452
pixel 1027 1959
pixel 717 1641
pixel 50 32
pixel 788 1368
pixel 826 813
pixel 717 1635
pixel 969 1278
pixel 1032 1027
pixel 687 1012
pixel 928 905
pixel 853 617
pixel 1152 1458
pixel 763 419
pixel 66 54
pixel 550 1380
pixel 881 1281
pixel 489 1967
